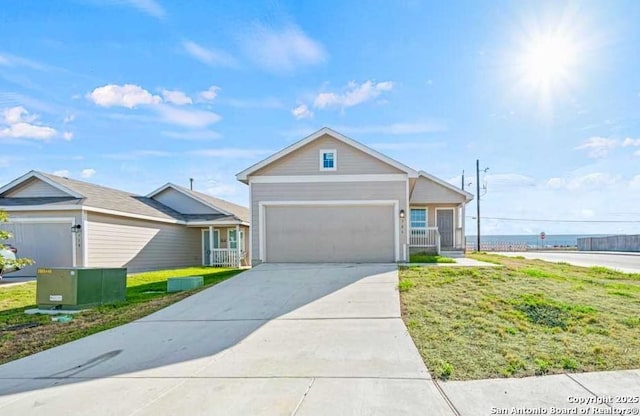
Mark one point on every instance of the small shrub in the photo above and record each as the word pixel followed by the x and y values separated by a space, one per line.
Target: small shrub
pixel 405 285
pixel 569 364
pixel 542 366
pixel 445 370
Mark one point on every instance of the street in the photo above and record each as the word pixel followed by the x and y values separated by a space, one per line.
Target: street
pixel 624 262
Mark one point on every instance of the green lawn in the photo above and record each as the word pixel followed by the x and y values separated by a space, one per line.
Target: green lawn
pixel 526 318
pixel 146 293
pixel 429 258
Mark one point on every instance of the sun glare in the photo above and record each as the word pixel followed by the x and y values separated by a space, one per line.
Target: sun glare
pixel 548 60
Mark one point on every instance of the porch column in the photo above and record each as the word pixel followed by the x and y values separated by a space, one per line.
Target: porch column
pixel 238 243
pixel 463 234
pixel 211 245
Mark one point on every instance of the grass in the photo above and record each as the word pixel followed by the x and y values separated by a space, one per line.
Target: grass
pixel 22 335
pixel 528 317
pixel 429 258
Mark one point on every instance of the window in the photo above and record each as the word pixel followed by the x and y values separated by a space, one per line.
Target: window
pixel 418 218
pixel 231 238
pixel 328 159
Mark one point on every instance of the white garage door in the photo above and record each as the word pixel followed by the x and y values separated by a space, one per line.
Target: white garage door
pixel 301 234
pixel 49 244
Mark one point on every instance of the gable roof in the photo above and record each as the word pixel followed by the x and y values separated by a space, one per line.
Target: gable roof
pixel 44 178
pixel 244 175
pixel 226 207
pixel 102 198
pixel 468 196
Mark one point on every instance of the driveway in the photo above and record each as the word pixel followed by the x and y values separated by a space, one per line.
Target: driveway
pixel 275 340
pixel 624 262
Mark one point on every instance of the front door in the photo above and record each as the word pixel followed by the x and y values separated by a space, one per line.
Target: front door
pixel 445 227
pixel 206 245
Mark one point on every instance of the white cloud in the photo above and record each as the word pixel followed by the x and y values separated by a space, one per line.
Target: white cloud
pixel 210 93
pixel 588 182
pixel 352 95
pixel 87 173
pixel 149 7
pixel 282 50
pixel 138 154
pixel 598 147
pixel 630 142
pixel 254 103
pixel 509 179
pixel 19 124
pixel 127 95
pixel 208 56
pixel 635 182
pixel 67 135
pixel 192 135
pixel 302 111
pixel 397 129
pixel 189 118
pixel 61 172
pixel 176 97
pixel 231 153
pixel 17 114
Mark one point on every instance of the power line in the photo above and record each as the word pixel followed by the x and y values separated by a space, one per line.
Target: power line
pixel 540 220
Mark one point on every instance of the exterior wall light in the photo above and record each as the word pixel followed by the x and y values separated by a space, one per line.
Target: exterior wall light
pixel 401 213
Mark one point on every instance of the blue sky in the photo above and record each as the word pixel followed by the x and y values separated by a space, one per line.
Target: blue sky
pixel 135 93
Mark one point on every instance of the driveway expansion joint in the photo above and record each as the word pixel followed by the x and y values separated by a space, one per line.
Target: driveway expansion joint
pixel 586 388
pixel 304 396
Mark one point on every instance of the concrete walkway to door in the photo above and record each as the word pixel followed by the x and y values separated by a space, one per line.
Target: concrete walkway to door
pixel 275 340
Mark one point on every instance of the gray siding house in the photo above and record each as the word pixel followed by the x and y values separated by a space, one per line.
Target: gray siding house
pixel 329 198
pixel 61 222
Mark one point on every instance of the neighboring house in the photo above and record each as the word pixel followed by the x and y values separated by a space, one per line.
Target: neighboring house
pixel 328 198
pixel 61 222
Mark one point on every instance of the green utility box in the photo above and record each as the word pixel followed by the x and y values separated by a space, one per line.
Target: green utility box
pixel 80 287
pixel 177 284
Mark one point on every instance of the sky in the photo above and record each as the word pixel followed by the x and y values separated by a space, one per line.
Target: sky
pixel 132 94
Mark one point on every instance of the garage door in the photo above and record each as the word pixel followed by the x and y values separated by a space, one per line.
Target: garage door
pixel 299 234
pixel 49 244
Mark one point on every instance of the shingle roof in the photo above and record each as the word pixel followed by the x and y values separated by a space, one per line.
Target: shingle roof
pixel 98 196
pixel 102 197
pixel 240 212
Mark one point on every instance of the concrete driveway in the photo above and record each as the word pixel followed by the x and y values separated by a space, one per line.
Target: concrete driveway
pixel 624 262
pixel 275 340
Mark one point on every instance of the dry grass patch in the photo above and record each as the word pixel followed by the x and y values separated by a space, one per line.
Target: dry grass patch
pixel 529 317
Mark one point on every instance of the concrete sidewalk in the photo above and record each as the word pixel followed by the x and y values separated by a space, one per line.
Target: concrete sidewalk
pixel 615 392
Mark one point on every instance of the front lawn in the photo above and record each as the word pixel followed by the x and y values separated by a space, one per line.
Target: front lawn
pixel 22 335
pixel 527 318
pixel 429 258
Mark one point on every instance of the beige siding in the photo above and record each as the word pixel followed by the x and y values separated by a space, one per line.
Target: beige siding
pixel 306 161
pixel 324 191
pixel 330 234
pixel 75 215
pixel 182 203
pixel 36 188
pixel 426 191
pixel 141 245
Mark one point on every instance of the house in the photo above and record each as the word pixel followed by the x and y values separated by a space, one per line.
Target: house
pixel 62 222
pixel 329 198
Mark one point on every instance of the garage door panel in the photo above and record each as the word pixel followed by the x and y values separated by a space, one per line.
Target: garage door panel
pixel 49 244
pixel 329 234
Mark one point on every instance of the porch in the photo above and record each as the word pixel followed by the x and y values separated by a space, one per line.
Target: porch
pixel 436 229
pixel 225 246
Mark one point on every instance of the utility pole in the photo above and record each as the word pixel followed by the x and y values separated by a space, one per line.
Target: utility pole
pixel 191 183
pixel 478 199
pixel 463 180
